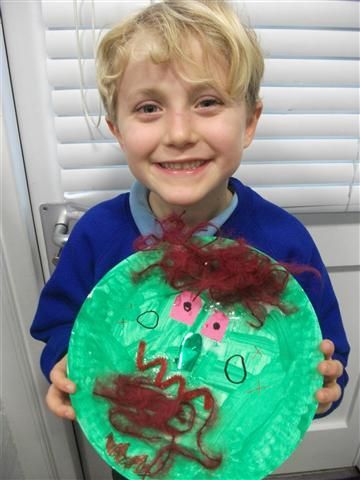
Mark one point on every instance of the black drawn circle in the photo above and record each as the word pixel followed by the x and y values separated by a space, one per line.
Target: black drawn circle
pixel 150 320
pixel 243 366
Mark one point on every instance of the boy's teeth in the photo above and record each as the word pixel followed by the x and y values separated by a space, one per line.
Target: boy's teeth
pixel 182 165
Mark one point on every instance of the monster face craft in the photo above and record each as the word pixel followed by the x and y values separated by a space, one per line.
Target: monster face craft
pixel 177 380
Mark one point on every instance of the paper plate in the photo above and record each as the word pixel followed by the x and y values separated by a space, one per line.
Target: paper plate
pixel 261 383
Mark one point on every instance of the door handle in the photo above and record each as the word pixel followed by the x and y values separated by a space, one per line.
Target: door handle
pixel 57 221
pixel 68 214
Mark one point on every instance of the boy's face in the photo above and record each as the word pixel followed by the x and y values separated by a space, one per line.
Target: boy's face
pixel 182 140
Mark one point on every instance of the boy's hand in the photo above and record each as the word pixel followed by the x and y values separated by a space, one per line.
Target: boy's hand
pixel 331 370
pixel 57 397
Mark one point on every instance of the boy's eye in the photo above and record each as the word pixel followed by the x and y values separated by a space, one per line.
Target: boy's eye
pixel 208 102
pixel 148 108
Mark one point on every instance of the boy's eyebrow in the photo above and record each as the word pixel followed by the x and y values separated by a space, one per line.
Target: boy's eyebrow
pixel 157 91
pixel 138 94
pixel 200 85
pixel 153 91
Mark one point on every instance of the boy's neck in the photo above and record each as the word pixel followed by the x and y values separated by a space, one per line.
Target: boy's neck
pixel 194 214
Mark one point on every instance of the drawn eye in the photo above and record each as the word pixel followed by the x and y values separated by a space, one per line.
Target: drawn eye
pixel 148 319
pixel 186 308
pixel 235 369
pixel 215 326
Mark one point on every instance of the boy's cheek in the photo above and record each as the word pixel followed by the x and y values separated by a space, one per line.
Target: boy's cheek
pixel 225 137
pixel 139 141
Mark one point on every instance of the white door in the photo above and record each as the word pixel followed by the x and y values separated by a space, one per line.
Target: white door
pixel 334 440
pixel 34 443
pixel 54 152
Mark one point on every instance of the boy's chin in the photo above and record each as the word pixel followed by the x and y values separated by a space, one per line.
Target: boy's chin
pixel 192 208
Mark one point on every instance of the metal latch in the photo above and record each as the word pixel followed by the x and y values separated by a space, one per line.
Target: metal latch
pixel 57 221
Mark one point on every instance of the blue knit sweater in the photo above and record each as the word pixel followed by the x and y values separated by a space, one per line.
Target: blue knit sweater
pixel 105 234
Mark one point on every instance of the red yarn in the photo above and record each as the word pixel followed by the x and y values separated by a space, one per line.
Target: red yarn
pixel 229 273
pixel 141 408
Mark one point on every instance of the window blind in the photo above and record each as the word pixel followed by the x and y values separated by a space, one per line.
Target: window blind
pixel 305 155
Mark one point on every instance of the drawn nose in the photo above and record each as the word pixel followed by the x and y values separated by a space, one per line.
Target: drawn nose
pixel 190 350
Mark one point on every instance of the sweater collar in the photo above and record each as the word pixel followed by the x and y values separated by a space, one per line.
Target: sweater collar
pixel 147 223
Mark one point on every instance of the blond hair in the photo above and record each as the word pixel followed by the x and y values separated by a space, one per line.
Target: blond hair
pixel 167 28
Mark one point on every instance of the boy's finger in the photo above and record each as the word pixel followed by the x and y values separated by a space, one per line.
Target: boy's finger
pixel 327 347
pixel 323 407
pixel 331 369
pixel 59 379
pixel 328 395
pixel 59 403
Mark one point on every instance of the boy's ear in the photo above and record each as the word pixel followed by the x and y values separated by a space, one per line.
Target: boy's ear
pixel 252 122
pixel 115 131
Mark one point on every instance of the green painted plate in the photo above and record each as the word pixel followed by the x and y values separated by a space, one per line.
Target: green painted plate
pixel 262 381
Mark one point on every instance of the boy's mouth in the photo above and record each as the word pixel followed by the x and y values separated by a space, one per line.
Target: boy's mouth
pixel 187 165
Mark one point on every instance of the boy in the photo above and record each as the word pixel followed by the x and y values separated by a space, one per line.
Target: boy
pixel 180 84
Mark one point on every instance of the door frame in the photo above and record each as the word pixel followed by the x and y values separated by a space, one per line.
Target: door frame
pixel 45 445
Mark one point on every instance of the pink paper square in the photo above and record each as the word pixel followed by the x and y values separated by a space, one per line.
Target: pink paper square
pixel 215 326
pixel 186 308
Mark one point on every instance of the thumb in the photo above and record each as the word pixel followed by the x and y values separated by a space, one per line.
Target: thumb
pixel 59 377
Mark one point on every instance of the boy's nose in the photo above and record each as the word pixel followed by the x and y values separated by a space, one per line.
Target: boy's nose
pixel 179 130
